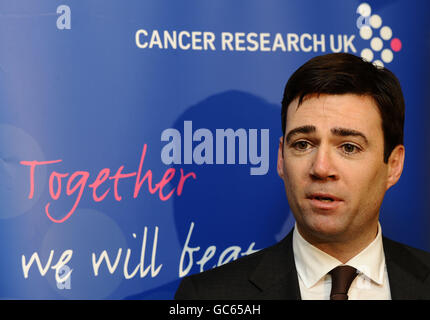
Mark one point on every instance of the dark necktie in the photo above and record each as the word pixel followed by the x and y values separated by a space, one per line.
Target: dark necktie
pixel 341 279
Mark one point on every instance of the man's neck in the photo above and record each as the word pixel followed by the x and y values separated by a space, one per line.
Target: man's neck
pixel 342 249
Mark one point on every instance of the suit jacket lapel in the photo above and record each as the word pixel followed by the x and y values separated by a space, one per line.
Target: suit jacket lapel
pixel 407 274
pixel 276 274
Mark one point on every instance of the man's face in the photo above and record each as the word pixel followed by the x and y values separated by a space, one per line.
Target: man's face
pixel 331 161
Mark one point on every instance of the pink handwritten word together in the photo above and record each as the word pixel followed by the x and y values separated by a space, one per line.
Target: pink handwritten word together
pixel 78 180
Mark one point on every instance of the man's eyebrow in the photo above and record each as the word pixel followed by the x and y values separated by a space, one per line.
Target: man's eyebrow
pixel 342 132
pixel 302 129
pixel 345 132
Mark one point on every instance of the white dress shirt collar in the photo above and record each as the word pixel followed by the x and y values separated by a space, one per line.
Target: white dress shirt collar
pixel 312 264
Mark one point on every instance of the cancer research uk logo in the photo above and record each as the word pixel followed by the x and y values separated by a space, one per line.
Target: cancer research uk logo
pixel 380 49
pixel 382 43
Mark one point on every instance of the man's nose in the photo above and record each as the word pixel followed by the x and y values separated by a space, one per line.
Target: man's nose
pixel 323 167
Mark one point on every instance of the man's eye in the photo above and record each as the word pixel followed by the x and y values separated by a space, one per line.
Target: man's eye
pixel 301 145
pixel 349 148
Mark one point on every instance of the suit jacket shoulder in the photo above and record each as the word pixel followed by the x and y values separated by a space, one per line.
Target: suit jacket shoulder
pixel 267 274
pixel 408 271
pixel 271 274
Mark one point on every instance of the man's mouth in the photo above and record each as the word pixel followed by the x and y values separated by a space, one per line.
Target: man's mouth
pixel 325 197
pixel 324 201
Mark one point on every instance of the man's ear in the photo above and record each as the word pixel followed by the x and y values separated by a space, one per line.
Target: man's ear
pixel 280 164
pixel 395 165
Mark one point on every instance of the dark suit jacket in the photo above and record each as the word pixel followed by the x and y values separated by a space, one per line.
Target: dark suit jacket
pixel 271 274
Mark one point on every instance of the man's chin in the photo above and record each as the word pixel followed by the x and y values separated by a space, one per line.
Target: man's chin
pixel 323 229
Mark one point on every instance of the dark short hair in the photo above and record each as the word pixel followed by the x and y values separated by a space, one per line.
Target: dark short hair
pixel 342 73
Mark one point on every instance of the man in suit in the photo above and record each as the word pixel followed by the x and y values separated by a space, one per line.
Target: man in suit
pixel 341 150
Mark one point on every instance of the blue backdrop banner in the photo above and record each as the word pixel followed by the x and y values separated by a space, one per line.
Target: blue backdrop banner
pixel 139 139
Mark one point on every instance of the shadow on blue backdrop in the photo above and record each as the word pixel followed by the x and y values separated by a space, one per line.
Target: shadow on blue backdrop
pixel 227 209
